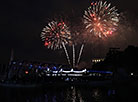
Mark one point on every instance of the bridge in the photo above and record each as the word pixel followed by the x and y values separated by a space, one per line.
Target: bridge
pixel 33 72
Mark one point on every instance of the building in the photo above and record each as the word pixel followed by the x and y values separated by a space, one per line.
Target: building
pixel 96 60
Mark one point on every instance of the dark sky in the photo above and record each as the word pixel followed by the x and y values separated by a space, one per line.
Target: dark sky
pixel 22 21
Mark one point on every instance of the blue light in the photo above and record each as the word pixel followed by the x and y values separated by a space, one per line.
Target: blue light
pixel 54 68
pixel 20 63
pixel 100 71
pixel 14 62
pixel 39 67
pixel 31 66
pixel 67 79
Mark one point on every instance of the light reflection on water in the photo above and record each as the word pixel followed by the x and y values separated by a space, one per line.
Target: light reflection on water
pixel 60 94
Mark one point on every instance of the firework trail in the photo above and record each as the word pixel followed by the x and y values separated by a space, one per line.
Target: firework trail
pixel 66 53
pixel 73 46
pixel 100 19
pixel 82 46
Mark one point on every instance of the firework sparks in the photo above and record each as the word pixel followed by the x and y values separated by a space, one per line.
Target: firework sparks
pixel 54 34
pixel 100 19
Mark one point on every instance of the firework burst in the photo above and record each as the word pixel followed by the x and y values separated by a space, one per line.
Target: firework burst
pixel 101 19
pixel 55 34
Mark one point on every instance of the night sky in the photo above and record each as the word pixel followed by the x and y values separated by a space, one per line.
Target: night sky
pixel 22 22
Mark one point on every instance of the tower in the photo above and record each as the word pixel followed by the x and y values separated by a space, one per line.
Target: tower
pixel 12 56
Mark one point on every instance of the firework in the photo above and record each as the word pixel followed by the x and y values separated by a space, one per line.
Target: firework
pixel 55 34
pixel 101 19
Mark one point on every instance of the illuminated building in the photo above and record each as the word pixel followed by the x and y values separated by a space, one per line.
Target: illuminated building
pixel 96 60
